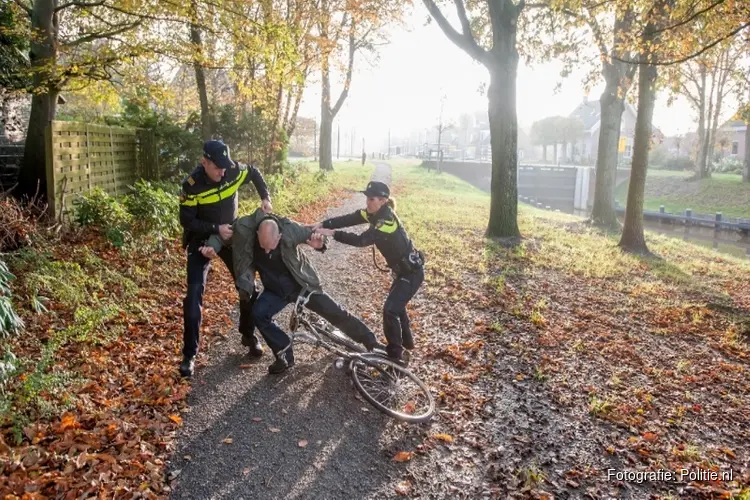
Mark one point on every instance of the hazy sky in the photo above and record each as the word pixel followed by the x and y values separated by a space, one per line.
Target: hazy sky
pixel 402 90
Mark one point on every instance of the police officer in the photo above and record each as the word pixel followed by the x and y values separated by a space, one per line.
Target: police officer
pixel 209 205
pixel 389 236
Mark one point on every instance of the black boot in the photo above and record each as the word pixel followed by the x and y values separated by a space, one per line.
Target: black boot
pixel 376 347
pixel 187 367
pixel 254 345
pixel 283 362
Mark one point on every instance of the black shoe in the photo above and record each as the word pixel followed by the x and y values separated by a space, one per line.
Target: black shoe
pixel 252 342
pixel 377 346
pixel 282 363
pixel 187 367
pixel 402 360
pixel 408 344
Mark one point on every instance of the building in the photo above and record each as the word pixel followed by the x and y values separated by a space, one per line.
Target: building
pixel 586 151
pixel 730 140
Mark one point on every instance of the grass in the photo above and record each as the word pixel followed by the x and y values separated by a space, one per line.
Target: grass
pixel 725 193
pixel 305 184
pixel 447 217
pixel 615 336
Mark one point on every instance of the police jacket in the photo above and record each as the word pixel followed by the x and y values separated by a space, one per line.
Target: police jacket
pixel 205 205
pixel 386 232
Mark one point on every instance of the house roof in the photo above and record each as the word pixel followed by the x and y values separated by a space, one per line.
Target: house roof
pixel 589 112
pixel 734 125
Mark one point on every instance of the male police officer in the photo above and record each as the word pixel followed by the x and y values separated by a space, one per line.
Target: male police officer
pixel 209 205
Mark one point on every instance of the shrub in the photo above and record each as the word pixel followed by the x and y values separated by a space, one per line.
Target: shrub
pixel 679 163
pixel 728 165
pixel 10 322
pixel 18 223
pixel 98 209
pixel 153 210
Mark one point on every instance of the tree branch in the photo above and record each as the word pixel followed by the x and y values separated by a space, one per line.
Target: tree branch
pixel 102 34
pixel 642 61
pixel 467 43
pixel 82 5
pixel 348 80
pixel 25 7
pixel 463 18
pixel 689 19
pixel 596 30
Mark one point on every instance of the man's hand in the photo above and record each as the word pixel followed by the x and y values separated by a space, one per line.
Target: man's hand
pixel 208 252
pixel 266 206
pixel 317 241
pixel 225 231
pixel 325 232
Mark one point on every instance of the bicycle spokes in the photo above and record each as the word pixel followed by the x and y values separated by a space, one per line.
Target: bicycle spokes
pixel 393 388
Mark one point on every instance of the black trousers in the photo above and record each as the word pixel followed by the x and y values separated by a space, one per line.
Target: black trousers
pixel 269 305
pixel 192 306
pixel 395 319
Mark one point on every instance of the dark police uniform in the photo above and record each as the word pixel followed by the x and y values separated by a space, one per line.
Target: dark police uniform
pixel 204 206
pixel 389 236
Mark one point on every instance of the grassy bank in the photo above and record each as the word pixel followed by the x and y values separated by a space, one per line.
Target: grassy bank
pixel 725 193
pixel 646 361
pixel 90 398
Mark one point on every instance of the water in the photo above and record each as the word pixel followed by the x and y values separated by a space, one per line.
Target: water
pixel 723 241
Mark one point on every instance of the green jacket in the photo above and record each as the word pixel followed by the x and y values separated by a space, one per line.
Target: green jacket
pixel 243 243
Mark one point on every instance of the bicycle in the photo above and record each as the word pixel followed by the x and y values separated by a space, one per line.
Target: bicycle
pixel 385 384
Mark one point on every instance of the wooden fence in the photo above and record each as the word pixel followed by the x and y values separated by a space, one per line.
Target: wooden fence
pixel 81 156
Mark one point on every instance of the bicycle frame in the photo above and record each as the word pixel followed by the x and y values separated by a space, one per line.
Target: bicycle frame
pixel 315 335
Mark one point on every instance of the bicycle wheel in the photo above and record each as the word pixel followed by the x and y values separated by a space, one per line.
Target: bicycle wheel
pixel 392 389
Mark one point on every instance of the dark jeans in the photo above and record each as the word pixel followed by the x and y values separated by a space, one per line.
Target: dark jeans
pixel 269 305
pixel 395 320
pixel 192 306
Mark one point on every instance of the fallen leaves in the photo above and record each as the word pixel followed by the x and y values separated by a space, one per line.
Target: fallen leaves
pixel 227 441
pixel 274 429
pixel 403 456
pixel 302 444
pixel 403 488
pixel 67 422
pixel 176 419
pixel 446 438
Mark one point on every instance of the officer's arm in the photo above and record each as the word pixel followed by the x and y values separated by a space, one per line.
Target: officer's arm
pixel 189 215
pixel 356 240
pixel 352 219
pixel 295 233
pixel 254 175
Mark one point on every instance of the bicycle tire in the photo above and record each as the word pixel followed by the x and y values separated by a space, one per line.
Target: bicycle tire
pixel 379 361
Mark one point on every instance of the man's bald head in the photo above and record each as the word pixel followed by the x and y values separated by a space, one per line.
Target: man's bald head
pixel 268 235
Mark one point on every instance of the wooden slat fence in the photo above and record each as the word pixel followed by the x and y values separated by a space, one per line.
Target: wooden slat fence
pixel 82 156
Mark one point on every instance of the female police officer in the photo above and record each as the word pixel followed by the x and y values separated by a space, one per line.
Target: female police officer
pixel 389 236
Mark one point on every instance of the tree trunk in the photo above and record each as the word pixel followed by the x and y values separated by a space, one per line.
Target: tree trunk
pixel 700 160
pixel 544 153
pixel 746 172
pixel 200 75
pixel 612 106
pixel 554 157
pixel 43 55
pixel 326 139
pixel 504 139
pixel 633 239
